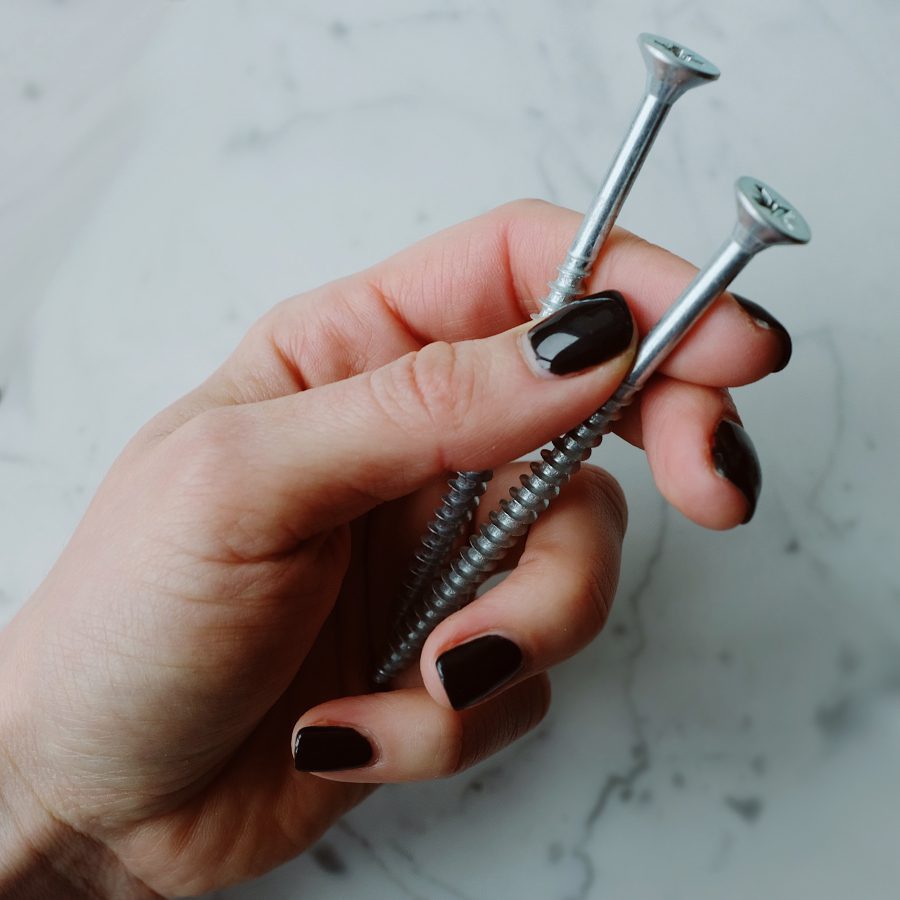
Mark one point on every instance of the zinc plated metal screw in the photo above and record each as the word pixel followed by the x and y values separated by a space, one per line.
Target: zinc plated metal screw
pixel 672 70
pixel 764 219
pixel 455 511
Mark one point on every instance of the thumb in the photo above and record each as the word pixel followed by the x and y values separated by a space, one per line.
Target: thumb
pixel 311 460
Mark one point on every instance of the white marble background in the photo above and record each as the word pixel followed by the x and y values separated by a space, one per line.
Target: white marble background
pixel 170 169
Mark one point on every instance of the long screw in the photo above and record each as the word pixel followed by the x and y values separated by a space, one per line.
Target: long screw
pixel 455 512
pixel 671 71
pixel 764 219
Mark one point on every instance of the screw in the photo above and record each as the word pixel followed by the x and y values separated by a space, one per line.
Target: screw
pixel 671 70
pixel 764 219
pixel 450 518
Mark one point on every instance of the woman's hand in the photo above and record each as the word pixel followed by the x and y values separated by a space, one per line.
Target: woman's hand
pixel 237 567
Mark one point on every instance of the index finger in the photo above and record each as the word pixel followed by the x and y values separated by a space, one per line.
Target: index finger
pixel 472 280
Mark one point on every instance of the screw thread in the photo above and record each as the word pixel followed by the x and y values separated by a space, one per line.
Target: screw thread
pixel 568 283
pixel 486 548
pixel 455 511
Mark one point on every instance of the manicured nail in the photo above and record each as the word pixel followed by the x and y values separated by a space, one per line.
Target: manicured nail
pixel 472 671
pixel 582 334
pixel 327 748
pixel 734 458
pixel 765 319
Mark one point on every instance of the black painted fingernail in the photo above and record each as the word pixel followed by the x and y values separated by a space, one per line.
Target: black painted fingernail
pixel 327 748
pixel 582 334
pixel 765 319
pixel 734 458
pixel 477 668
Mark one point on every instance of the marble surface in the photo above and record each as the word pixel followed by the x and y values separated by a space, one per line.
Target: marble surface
pixel 171 169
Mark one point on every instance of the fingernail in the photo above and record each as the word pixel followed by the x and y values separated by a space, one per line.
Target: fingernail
pixel 765 319
pixel 734 458
pixel 582 334
pixel 327 748
pixel 471 671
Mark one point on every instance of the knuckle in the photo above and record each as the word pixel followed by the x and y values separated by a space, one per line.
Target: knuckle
pixel 608 496
pixel 597 580
pixel 456 746
pixel 489 728
pixel 627 262
pixel 429 389
pixel 482 737
pixel 599 589
pixel 203 452
pixel 637 242
pixel 523 208
pixel 541 703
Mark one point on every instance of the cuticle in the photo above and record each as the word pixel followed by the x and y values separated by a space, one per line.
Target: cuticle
pixel 483 634
pixel 538 368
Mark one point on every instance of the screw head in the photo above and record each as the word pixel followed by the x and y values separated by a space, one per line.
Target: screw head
pixel 673 68
pixel 765 217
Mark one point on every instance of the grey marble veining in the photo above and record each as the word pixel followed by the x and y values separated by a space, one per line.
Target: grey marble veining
pixel 735 731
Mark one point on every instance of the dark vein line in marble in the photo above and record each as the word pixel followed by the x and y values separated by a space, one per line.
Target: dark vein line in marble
pixel 619 782
pixel 8 457
pixel 369 849
pixel 417 870
pixel 255 137
pixel 328 859
pixel 623 782
pixel 747 808
pixel 824 337
pixel 590 874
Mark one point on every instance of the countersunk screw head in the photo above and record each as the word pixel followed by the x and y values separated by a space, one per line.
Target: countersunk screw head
pixel 765 217
pixel 672 68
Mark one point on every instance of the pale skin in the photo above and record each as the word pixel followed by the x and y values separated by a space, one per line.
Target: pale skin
pixel 231 581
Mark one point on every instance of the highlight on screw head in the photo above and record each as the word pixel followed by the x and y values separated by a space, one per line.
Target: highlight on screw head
pixel 765 217
pixel 673 68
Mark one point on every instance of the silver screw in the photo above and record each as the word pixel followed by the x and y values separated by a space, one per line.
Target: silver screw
pixel 671 71
pixel 764 219
pixel 450 518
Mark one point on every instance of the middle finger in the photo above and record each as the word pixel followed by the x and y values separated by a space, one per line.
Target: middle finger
pixel 553 603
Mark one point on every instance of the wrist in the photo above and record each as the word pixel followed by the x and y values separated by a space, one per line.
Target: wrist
pixel 40 855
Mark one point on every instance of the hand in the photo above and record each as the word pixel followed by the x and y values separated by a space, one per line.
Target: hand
pixel 236 568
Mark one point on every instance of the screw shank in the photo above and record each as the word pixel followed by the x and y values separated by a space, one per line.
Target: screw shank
pixel 675 323
pixel 604 209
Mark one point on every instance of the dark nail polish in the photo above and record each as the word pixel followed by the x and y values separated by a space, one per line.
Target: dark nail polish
pixel 327 748
pixel 477 668
pixel 582 334
pixel 734 458
pixel 765 319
